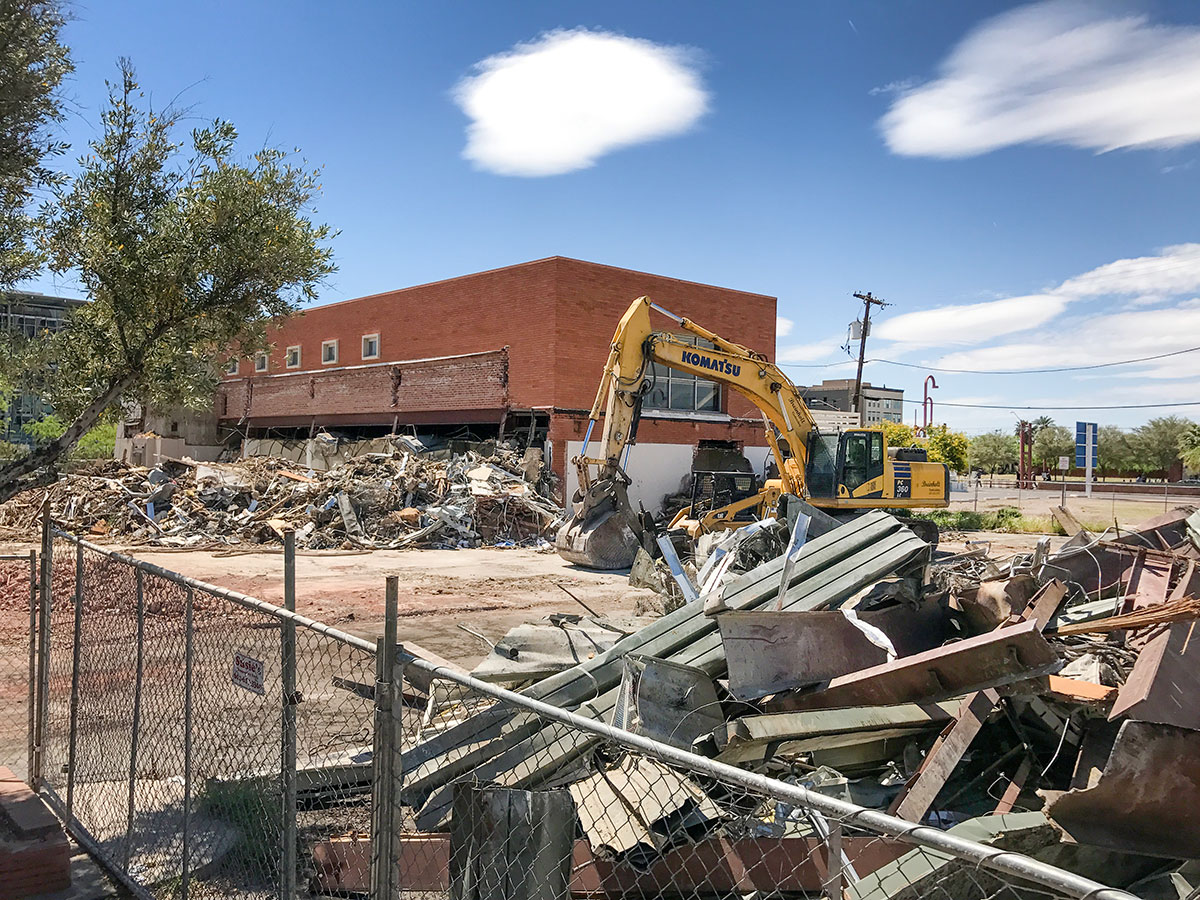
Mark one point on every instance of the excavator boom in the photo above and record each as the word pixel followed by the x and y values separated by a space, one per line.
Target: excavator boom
pixel 856 472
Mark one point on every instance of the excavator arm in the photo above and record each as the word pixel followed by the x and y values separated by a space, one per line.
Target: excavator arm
pixel 603 531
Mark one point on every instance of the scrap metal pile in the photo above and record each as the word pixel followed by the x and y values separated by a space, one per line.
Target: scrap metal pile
pixel 1040 702
pixel 404 498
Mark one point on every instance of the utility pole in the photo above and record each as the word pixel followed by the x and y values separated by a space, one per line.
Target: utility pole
pixel 868 301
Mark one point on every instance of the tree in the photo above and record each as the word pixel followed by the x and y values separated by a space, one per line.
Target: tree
pixel 949 447
pixel 1156 444
pixel 993 450
pixel 1189 446
pixel 1115 449
pixel 1052 441
pixel 32 66
pixel 1038 424
pixel 184 256
pixel 899 435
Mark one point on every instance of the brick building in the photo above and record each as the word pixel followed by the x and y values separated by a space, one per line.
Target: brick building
pixel 513 352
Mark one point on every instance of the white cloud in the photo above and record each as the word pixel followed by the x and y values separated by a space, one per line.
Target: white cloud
pixel 1145 280
pixel 812 352
pixel 783 327
pixel 970 323
pixel 1060 73
pixel 1100 339
pixel 1175 270
pixel 558 103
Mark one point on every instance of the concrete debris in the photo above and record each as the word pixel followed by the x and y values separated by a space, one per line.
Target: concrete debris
pixel 400 498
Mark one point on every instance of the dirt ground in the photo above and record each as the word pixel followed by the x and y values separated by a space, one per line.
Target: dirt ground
pixel 489 590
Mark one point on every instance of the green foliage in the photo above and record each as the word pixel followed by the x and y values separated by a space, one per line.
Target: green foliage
pixel 32 66
pixel 98 443
pixel 1189 446
pixel 898 434
pixel 1116 449
pixel 1006 519
pixel 184 253
pixel 1052 441
pixel 942 444
pixel 45 429
pixel 949 447
pixel 993 450
pixel 252 807
pixel 1157 442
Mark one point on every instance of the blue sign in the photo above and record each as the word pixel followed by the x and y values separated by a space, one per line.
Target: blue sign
pixel 1081 442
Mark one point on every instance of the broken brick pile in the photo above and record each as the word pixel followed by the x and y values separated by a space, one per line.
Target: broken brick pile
pixel 404 498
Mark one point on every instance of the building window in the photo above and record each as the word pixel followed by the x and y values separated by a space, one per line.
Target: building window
pixel 293 358
pixel 370 348
pixel 262 362
pixel 680 390
pixel 329 353
pixel 231 367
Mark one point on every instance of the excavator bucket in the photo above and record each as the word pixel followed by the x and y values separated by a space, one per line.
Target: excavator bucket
pixel 601 532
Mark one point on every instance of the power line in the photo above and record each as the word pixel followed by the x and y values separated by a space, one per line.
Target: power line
pixel 893 362
pixel 1069 406
pixel 1122 362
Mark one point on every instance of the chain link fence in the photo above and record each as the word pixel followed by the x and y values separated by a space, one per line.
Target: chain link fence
pixel 572 806
pixel 201 741
pixel 18 621
pixel 206 744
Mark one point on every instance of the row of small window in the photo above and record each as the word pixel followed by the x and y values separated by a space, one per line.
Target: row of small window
pixel 291 359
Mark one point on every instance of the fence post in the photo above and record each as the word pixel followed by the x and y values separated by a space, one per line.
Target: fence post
pixel 33 693
pixel 287 773
pixel 186 874
pixel 383 789
pixel 73 734
pixel 135 734
pixel 42 688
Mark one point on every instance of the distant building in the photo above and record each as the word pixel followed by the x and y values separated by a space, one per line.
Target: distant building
pixel 880 404
pixel 30 314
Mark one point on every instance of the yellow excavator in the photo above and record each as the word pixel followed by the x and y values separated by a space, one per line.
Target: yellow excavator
pixel 840 473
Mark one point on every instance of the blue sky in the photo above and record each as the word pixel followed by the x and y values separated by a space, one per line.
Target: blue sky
pixel 1019 181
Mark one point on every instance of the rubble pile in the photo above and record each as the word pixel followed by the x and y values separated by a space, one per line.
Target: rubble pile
pixel 1039 702
pixel 404 498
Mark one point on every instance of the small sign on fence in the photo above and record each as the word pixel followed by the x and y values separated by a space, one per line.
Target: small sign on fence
pixel 248 672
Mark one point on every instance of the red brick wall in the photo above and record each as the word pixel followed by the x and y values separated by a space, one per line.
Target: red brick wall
pixel 471 314
pixel 465 389
pixel 592 298
pixel 556 316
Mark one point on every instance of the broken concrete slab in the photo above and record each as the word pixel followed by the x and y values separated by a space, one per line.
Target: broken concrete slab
pixel 1006 655
pixel 1147 798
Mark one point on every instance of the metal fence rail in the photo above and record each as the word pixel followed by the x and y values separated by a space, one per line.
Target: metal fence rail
pixel 720 831
pixel 204 744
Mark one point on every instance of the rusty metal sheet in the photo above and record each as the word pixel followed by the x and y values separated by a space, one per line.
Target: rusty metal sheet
pixel 943 757
pixel 1164 684
pixel 999 657
pixel 769 652
pixel 1147 799
pixel 791 865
